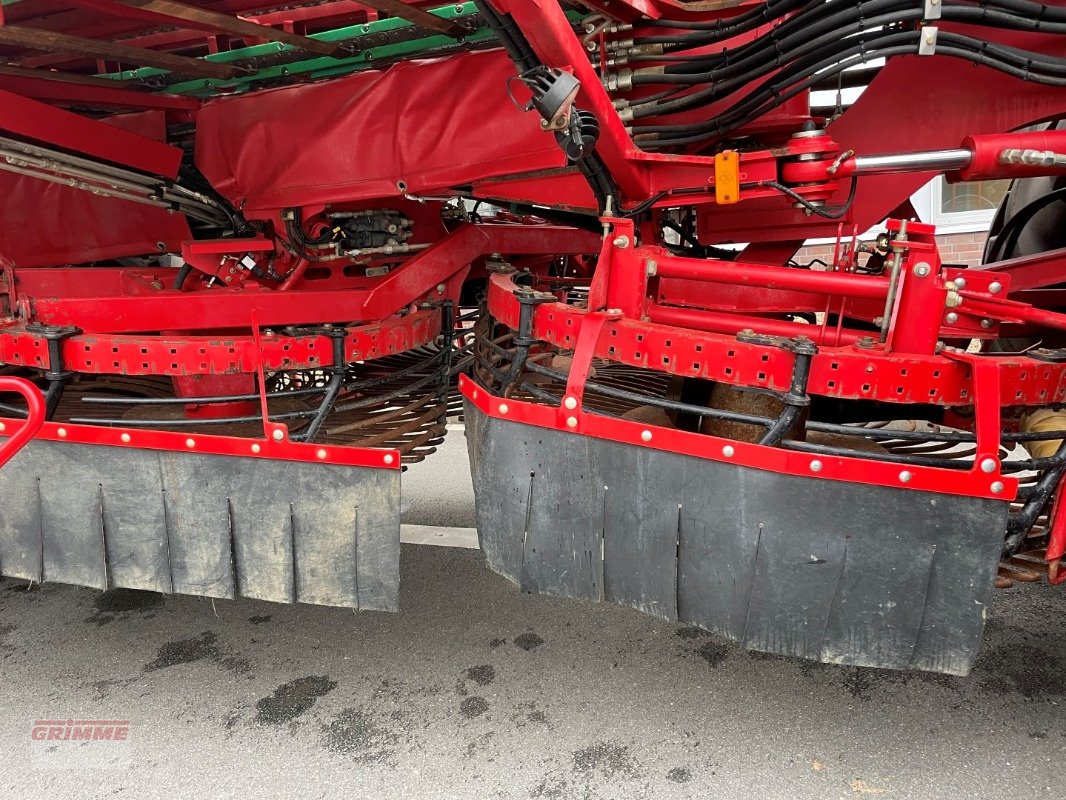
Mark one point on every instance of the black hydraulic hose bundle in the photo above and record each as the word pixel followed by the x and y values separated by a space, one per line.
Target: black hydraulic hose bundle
pixel 526 62
pixel 810 43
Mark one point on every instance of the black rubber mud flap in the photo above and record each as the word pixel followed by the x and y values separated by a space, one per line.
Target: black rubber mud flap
pixel 210 525
pixel 845 573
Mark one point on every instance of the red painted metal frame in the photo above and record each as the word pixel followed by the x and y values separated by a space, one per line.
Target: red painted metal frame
pixel 25 429
pixel 972 483
pixel 44 123
pixel 142 307
pixel 178 355
pixel 275 446
pixel 846 372
pixel 103 97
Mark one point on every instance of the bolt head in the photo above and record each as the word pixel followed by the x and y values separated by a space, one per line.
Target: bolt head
pixel 570 403
pixel 987 323
pixel 125 437
pixel 960 283
pixel 997 487
pixel 62 433
pixel 816 466
pixel 951 318
pixel 278 435
pixel 988 465
pixel 320 453
pixel 728 451
pixel 3 427
pixel 256 448
pixel 921 270
pixel 571 422
pixel 645 435
pixel 503 408
pixel 905 476
pixel 190 443
pixel 388 458
pixel 995 287
pixel 621 241
pixel 440 288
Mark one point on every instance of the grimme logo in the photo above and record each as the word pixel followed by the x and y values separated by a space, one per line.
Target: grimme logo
pixel 83 730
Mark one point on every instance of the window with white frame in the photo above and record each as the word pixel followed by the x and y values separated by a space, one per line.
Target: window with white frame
pixel 959 207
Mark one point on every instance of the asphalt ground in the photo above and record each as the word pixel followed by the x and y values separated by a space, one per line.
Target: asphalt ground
pixel 475 690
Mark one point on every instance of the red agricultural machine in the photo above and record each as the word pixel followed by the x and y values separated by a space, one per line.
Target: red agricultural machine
pixel 254 255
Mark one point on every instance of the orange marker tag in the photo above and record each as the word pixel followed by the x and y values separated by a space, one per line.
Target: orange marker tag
pixel 727 177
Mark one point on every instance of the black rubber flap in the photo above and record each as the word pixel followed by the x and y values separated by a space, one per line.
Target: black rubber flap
pixel 838 572
pixel 216 526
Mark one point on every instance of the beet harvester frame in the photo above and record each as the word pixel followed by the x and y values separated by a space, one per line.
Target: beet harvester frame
pixel 254 255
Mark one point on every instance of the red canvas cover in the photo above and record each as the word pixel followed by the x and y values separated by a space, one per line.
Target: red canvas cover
pixel 429 123
pixel 46 224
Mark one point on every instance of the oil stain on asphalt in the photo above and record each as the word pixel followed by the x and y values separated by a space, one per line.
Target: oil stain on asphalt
pixel 292 699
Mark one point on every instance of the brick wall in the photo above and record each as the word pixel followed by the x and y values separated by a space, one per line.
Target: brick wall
pixel 955 248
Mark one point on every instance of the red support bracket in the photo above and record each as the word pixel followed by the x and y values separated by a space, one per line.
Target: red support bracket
pixel 588 338
pixel 34 416
pixel 987 423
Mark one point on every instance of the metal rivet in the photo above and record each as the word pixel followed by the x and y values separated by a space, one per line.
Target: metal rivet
pixel 62 433
pixel 988 465
pixel 995 287
pixel 905 477
pixel 256 448
pixel 503 408
pixel 816 466
pixel 997 487
pixel 960 283
pixel 388 458
pixel 190 443
pixel 571 422
pixel 125 437
pixel 278 435
pixel 440 288
pixel 951 318
pixel 728 451
pixel 570 403
pixel 320 453
pixel 986 323
pixel 645 435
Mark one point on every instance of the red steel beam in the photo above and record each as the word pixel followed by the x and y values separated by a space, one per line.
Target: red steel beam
pixel 52 42
pixel 168 12
pixel 416 16
pixel 742 274
pixel 32 119
pixel 221 309
pixel 721 322
pixel 1031 272
pixel 40 85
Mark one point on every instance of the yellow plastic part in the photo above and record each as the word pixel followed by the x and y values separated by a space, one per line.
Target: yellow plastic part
pixel 1043 420
pixel 727 177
